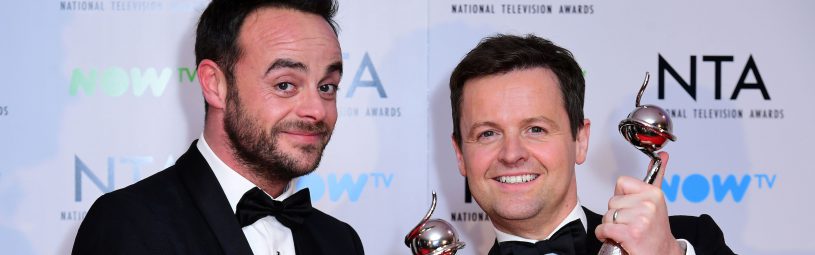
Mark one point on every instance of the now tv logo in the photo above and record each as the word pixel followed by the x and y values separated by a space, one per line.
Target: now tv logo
pixel 697 188
pixel 117 81
pixel 335 184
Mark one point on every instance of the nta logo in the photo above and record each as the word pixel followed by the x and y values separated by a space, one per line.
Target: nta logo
pixel 374 82
pixel 137 165
pixel 690 84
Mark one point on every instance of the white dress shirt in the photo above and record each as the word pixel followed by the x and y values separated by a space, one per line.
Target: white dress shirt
pixel 266 236
pixel 577 213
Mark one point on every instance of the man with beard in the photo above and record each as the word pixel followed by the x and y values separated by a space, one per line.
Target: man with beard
pixel 269 72
pixel 519 130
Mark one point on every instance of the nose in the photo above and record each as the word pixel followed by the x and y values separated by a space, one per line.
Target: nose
pixel 311 106
pixel 513 153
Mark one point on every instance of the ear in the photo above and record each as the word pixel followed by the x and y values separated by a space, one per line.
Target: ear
pixel 459 157
pixel 582 142
pixel 213 83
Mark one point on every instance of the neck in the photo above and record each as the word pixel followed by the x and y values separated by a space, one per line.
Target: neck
pixel 218 141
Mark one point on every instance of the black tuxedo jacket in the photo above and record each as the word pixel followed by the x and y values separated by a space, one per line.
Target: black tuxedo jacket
pixel 702 232
pixel 183 210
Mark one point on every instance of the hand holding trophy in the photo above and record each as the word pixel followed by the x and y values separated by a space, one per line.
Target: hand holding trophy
pixel 433 236
pixel 648 128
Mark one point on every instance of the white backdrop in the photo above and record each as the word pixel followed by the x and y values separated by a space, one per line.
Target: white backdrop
pixel 98 94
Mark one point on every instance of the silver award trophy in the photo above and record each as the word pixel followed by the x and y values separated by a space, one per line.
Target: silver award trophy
pixel 433 236
pixel 648 128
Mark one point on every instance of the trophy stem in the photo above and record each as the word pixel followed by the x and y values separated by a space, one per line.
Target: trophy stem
pixel 656 165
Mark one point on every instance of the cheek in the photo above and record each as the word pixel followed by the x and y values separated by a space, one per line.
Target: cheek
pixel 478 159
pixel 330 113
pixel 554 155
pixel 271 116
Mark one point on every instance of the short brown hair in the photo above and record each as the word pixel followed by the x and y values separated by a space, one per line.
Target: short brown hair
pixel 501 54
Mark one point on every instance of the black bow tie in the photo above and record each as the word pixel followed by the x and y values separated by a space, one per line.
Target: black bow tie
pixel 570 239
pixel 255 204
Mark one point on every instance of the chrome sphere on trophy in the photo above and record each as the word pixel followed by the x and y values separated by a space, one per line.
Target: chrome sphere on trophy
pixel 648 128
pixel 433 236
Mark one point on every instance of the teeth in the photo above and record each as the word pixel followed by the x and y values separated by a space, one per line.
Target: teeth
pixel 517 178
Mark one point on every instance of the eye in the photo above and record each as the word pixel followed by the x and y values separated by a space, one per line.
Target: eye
pixel 487 136
pixel 284 86
pixel 329 89
pixel 285 89
pixel 537 131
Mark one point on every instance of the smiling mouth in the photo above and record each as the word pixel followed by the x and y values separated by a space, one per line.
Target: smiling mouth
pixel 517 178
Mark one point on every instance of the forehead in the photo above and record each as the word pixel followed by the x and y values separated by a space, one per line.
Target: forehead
pixel 519 92
pixel 280 28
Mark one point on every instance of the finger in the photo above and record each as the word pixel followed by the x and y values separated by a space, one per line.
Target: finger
pixel 633 217
pixel 614 232
pixel 629 200
pixel 629 185
pixel 609 218
pixel 618 202
pixel 664 157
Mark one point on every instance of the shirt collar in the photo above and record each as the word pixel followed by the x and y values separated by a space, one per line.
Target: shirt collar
pixel 576 214
pixel 233 184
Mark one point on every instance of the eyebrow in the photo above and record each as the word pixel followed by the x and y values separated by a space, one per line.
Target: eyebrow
pixel 286 63
pixel 480 124
pixel 541 119
pixel 335 67
pixel 289 63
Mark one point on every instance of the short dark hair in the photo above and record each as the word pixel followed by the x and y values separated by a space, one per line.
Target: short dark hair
pixel 501 54
pixel 220 24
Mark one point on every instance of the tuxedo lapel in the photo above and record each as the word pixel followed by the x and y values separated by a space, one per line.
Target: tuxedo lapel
pixel 594 220
pixel 494 250
pixel 209 198
pixel 304 241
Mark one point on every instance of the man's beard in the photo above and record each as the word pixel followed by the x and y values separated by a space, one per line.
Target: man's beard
pixel 259 150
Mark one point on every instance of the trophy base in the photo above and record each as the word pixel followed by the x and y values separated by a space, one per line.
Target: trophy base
pixel 611 249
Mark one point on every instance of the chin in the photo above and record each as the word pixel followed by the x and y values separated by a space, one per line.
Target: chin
pixel 307 164
pixel 517 211
pixel 303 173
